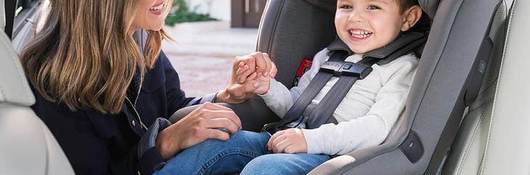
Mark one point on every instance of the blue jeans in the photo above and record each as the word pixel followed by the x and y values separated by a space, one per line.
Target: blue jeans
pixel 244 152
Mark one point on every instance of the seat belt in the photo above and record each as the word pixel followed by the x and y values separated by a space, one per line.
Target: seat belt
pixel 323 112
pixel 309 93
pixel 348 72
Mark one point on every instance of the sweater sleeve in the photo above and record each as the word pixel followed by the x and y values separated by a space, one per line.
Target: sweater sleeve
pixel 279 99
pixel 148 154
pixel 372 128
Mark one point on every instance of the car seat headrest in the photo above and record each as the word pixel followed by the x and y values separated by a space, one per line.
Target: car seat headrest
pixel 329 5
pixel 429 6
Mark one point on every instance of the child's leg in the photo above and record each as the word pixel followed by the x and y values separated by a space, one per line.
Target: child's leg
pixel 218 157
pixel 280 164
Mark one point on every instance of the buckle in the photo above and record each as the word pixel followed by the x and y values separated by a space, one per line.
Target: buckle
pixel 271 128
pixel 344 68
pixel 332 67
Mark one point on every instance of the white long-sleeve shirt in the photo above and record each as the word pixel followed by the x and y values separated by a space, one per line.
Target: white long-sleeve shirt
pixel 365 115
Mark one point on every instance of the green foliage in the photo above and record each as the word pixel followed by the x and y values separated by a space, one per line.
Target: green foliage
pixel 180 13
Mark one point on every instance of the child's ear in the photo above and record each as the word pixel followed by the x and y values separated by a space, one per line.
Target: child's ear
pixel 411 16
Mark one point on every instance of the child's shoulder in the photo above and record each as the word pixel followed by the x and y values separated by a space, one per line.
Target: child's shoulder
pixel 321 56
pixel 408 60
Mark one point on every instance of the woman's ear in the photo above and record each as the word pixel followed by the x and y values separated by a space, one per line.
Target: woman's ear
pixel 410 17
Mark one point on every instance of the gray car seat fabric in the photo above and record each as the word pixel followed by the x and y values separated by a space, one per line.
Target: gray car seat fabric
pixel 307 27
pixel 26 145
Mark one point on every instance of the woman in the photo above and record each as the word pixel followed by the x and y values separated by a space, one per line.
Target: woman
pixel 105 101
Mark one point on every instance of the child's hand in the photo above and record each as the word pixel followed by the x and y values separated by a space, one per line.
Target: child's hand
pixel 251 75
pixel 288 141
pixel 255 83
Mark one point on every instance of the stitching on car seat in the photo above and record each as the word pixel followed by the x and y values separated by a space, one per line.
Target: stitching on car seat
pixel 492 125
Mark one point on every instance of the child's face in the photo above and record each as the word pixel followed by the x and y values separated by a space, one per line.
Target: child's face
pixel 365 25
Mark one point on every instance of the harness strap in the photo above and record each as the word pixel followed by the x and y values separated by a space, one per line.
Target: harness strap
pixel 323 112
pixel 310 92
pixel 349 73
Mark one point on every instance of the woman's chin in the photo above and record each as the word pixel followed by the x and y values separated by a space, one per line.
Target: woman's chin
pixel 154 28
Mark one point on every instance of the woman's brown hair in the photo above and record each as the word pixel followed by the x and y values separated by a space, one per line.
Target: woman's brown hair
pixel 85 56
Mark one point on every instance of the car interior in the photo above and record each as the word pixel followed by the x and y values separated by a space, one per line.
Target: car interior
pixel 466 112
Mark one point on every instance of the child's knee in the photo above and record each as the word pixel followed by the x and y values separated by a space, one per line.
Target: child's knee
pixel 267 164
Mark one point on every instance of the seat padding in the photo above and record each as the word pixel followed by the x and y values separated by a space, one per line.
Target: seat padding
pixel 508 144
pixel 468 150
pixel 13 85
pixel 27 146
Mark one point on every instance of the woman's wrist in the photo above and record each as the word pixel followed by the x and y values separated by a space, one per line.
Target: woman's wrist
pixel 221 97
pixel 224 96
pixel 166 147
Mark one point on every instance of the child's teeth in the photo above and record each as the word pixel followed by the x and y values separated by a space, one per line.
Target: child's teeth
pixel 360 33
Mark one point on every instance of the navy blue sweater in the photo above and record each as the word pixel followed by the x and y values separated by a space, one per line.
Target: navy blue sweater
pixel 124 143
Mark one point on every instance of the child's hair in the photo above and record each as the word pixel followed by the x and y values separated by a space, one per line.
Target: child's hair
pixel 406 4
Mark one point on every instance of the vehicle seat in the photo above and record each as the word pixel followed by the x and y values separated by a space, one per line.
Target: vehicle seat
pixel 493 138
pixel 26 145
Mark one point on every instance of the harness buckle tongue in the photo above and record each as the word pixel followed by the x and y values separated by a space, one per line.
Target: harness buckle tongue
pixel 332 67
pixel 343 68
pixel 355 70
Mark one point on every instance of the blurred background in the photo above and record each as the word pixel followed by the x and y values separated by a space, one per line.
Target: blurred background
pixel 207 36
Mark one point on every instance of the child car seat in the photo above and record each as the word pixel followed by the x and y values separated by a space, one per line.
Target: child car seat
pixel 455 59
pixel 449 76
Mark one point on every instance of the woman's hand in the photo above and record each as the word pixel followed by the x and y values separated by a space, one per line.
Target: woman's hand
pixel 250 75
pixel 288 141
pixel 209 121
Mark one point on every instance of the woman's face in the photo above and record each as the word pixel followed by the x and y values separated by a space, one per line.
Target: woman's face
pixel 150 14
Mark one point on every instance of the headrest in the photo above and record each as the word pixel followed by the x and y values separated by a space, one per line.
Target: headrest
pixel 14 87
pixel 428 6
pixel 329 5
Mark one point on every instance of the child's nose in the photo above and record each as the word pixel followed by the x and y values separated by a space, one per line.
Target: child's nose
pixel 356 16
